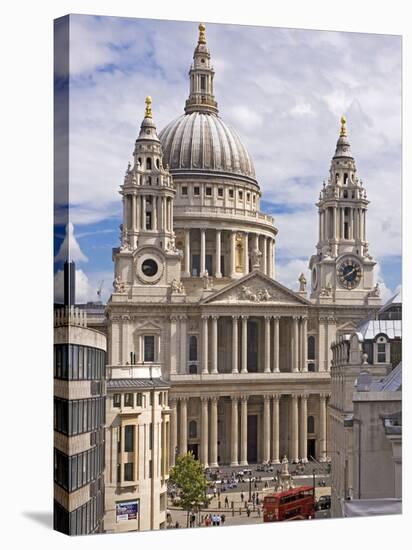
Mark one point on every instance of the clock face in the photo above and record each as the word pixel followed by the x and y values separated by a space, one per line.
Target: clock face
pixel 349 273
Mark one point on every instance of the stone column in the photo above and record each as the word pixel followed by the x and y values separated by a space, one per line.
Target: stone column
pixel 276 344
pixel 218 272
pixel 213 432
pixel 244 344
pixel 187 272
pixel 133 213
pixel 154 212
pixel 304 427
pixel 214 345
pixel 203 252
pixel 234 432
pixel 266 428
pixel 183 426
pixel 204 445
pixel 235 345
pixel 264 256
pixel 322 427
pixel 246 255
pixel 267 343
pixel 233 254
pixel 243 431
pixel 294 450
pixel 143 212
pixel 173 344
pixel 304 364
pixel 295 345
pixel 342 223
pixel 205 344
pixel 173 430
pixel 183 344
pixel 275 429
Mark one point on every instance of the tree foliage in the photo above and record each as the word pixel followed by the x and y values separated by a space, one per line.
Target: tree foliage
pixel 188 476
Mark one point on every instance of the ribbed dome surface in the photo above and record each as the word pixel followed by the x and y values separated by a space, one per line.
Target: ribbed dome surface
pixel 201 141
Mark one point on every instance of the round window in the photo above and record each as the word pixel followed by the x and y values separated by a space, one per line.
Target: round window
pixel 149 268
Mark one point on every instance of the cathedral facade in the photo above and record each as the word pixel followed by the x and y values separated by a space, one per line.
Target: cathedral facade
pixel 197 305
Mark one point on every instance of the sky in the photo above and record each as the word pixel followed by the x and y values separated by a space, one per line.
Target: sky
pixel 283 90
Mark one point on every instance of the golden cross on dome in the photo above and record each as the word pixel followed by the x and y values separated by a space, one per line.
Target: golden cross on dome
pixel 202 36
pixel 343 126
pixel 148 112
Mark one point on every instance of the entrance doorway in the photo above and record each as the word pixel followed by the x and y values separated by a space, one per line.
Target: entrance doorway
pixel 193 448
pixel 311 448
pixel 252 438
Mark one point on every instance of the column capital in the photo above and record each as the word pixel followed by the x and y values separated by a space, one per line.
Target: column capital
pixel 276 396
pixel 204 398
pixel 276 317
pixel 218 231
pixel 266 397
pixel 205 317
pixel 235 398
pixel 244 317
pixel 215 317
pixel 182 317
pixel 295 396
pixel 324 395
pixel 174 317
pixel 244 398
pixel 183 398
pixel 268 318
pixel 235 317
pixel 214 398
pixel 173 401
pixel 304 396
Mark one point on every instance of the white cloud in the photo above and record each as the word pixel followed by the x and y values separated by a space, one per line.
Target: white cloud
pixel 70 249
pixel 289 272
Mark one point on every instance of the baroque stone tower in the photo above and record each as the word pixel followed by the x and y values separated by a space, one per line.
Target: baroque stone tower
pixel 342 269
pixel 147 261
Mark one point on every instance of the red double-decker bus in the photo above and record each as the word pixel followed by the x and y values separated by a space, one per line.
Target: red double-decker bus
pixel 297 503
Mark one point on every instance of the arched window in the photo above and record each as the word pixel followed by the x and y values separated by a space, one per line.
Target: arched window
pixel 192 369
pixel 345 194
pixel 192 429
pixel 311 425
pixel 193 348
pixel 345 179
pixel 157 163
pixel 311 347
pixel 148 163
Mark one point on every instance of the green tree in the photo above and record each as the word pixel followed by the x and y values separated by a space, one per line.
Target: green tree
pixel 188 476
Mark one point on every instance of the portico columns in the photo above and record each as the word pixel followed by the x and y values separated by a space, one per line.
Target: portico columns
pixel 234 433
pixel 187 254
pixel 243 431
pixel 294 450
pixel 173 430
pixel 244 344
pixel 235 345
pixel 267 344
pixel 266 428
pixel 322 422
pixel 218 272
pixel 204 447
pixel 203 252
pixel 275 429
pixel 214 344
pixel 264 256
pixel 246 255
pixel 304 427
pixel 276 345
pixel 183 426
pixel 213 432
pixel 295 344
pixel 304 364
pixel 205 344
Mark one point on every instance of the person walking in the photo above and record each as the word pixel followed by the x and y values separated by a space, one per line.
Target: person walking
pixel 223 518
pixel 248 512
pixel 242 496
pixel 258 511
pixel 226 502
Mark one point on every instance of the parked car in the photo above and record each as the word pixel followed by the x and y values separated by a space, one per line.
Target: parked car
pixel 323 503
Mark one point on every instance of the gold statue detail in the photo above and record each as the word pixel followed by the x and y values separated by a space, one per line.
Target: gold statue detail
pixel 202 36
pixel 148 112
pixel 343 126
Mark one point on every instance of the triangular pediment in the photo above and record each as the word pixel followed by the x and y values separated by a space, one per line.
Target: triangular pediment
pixel 256 288
pixel 349 326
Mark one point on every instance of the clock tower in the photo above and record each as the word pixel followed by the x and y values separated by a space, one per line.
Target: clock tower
pixel 342 268
pixel 147 263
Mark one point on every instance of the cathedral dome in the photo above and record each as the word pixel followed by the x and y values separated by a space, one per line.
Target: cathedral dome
pixel 201 141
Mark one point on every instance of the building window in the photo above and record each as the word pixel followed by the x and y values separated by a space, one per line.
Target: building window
pixel 311 425
pixel 311 367
pixel 253 199
pixel 311 347
pixel 149 349
pixel 241 195
pixel 150 435
pixel 208 191
pixel 128 400
pixel 128 471
pixel 138 399
pixel 220 191
pixel 196 191
pixel 192 369
pixel 230 193
pixel 202 83
pixel 116 400
pixel 129 439
pixel 248 197
pixel 192 429
pixel 148 163
pixel 184 190
pixel 381 355
pixel 193 348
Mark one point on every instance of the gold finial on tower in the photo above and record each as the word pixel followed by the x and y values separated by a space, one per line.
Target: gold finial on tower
pixel 202 36
pixel 343 126
pixel 148 112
